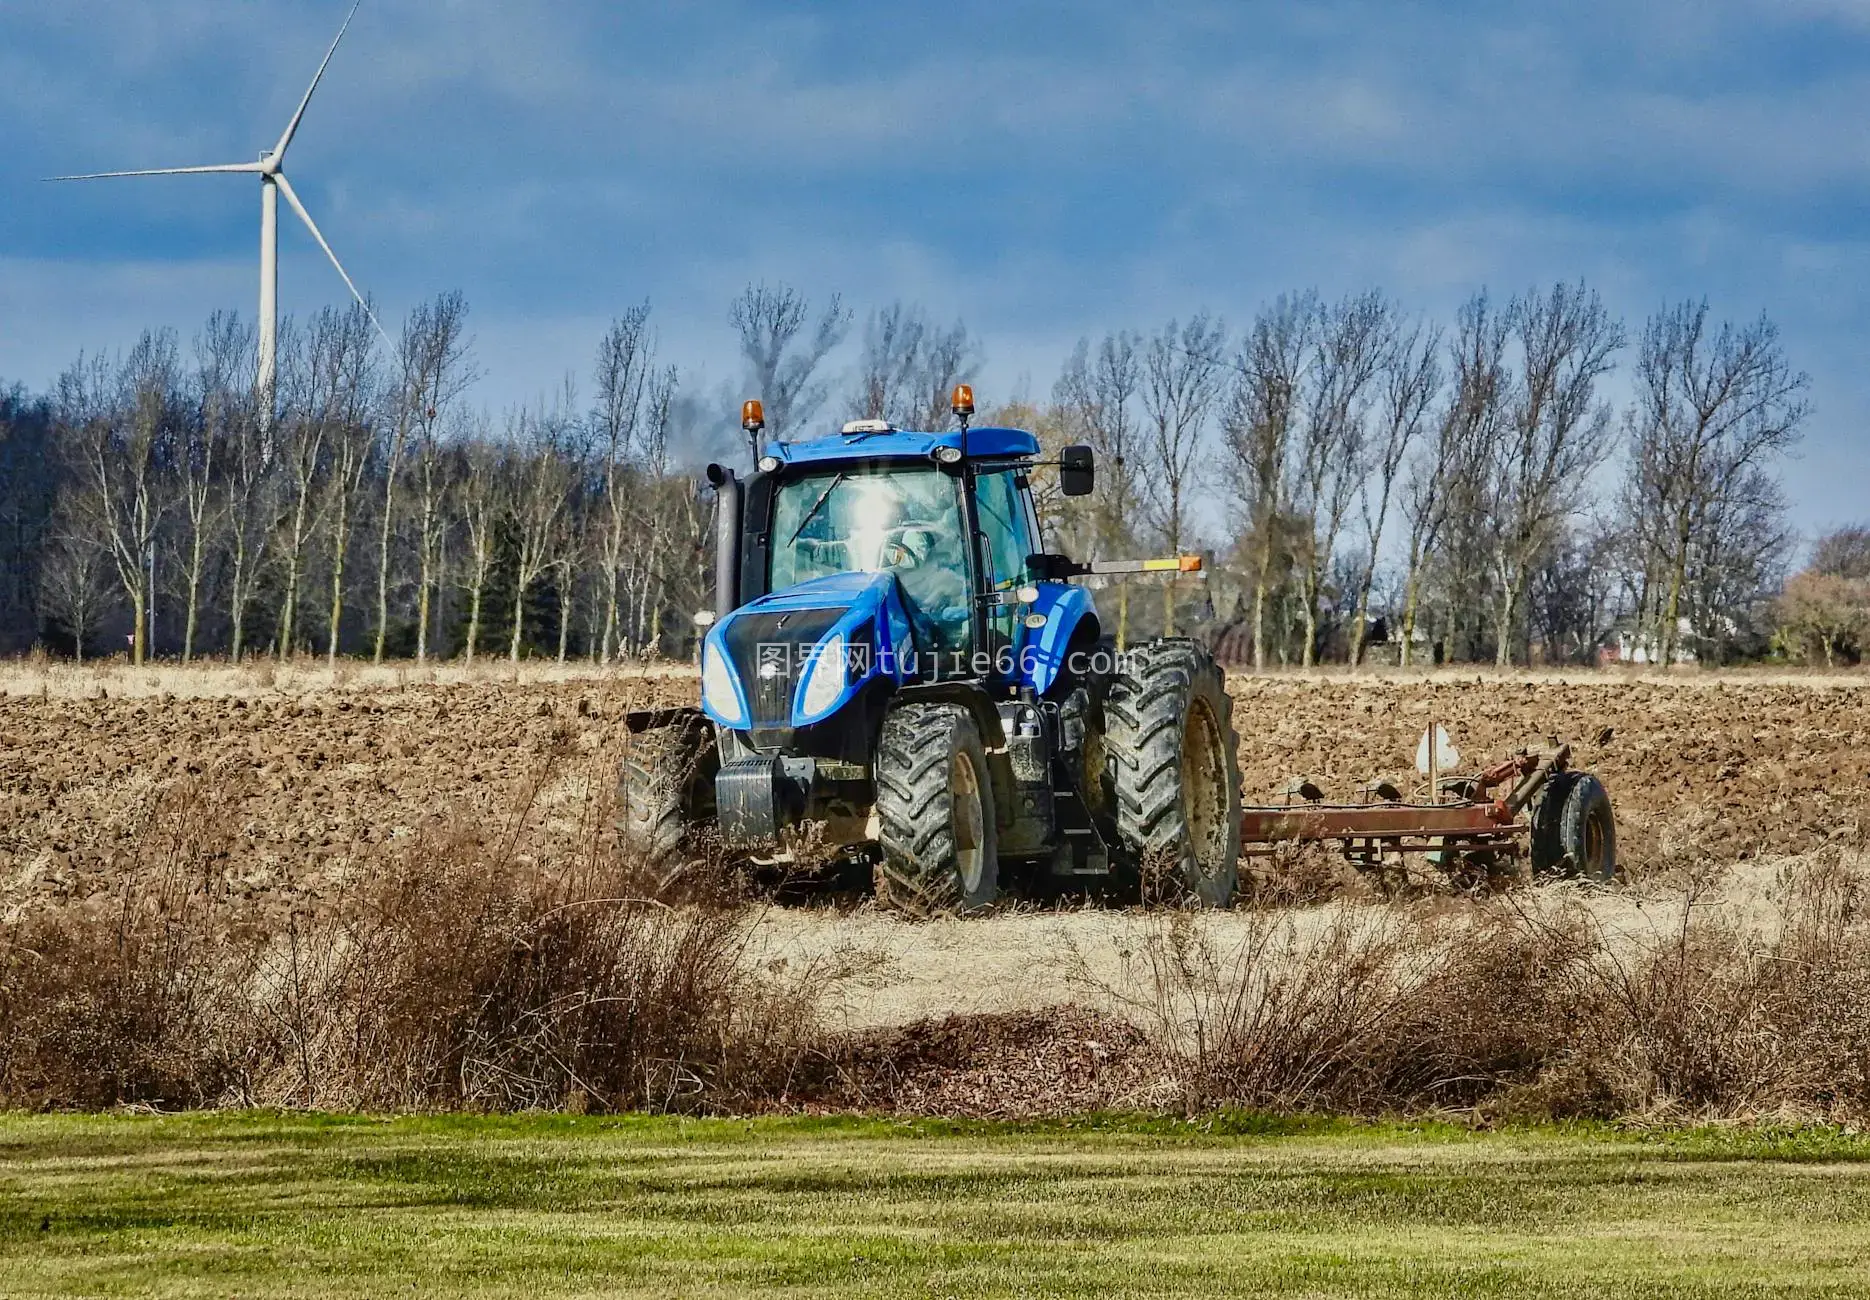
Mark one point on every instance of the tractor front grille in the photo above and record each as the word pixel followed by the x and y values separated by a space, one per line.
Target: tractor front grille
pixel 769 651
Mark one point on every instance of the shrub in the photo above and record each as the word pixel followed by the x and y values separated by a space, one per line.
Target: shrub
pixel 456 973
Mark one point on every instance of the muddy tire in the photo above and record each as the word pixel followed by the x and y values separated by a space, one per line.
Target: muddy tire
pixel 665 790
pixel 935 810
pixel 1574 832
pixel 1175 772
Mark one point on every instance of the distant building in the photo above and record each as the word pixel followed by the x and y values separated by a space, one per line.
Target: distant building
pixel 1628 643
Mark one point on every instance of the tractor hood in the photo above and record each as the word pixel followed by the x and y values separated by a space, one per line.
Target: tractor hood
pixel 795 657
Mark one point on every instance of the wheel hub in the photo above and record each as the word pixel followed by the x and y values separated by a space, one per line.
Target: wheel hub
pixel 1204 789
pixel 969 821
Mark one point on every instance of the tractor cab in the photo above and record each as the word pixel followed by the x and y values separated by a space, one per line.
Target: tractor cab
pixel 884 556
pixel 896 658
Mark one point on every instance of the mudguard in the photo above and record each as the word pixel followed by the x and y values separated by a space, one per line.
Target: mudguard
pixel 1046 652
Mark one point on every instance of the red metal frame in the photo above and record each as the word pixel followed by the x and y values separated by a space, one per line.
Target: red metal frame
pixel 1381 821
pixel 1366 831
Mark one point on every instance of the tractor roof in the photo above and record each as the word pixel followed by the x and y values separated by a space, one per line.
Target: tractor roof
pixel 982 444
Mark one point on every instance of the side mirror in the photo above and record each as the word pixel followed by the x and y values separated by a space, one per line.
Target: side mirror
pixel 1077 471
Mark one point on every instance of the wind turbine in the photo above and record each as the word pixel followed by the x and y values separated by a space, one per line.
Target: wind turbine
pixel 273 183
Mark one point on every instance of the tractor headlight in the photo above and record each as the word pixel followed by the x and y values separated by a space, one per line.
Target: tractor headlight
pixel 825 677
pixel 717 687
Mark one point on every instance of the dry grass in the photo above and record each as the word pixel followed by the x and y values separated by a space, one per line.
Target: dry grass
pixel 461 976
pixel 457 974
pixel 1528 1004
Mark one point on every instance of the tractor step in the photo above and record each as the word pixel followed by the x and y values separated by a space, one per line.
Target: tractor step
pixel 1080 852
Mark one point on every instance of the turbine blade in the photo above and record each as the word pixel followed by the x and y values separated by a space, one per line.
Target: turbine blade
pixel 285 188
pixel 163 171
pixel 292 127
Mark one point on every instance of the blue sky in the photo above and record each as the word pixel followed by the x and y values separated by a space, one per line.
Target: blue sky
pixel 1043 171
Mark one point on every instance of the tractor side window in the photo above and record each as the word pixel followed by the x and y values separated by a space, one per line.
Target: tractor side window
pixel 1003 522
pixel 1024 492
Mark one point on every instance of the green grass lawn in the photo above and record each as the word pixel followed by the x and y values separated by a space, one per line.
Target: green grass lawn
pixel 302 1205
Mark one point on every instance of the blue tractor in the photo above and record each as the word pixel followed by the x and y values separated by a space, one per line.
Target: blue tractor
pixel 898 660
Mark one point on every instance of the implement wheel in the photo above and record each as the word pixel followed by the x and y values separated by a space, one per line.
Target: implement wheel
pixel 1175 772
pixel 935 809
pixel 665 789
pixel 1574 832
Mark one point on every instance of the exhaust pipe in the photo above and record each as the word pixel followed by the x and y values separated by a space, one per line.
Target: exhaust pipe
pixel 726 540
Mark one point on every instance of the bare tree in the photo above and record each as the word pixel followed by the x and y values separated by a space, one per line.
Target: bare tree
pixel 782 357
pixel 1736 566
pixel 437 367
pixel 225 407
pixel 540 484
pixel 1411 386
pixel 1557 433
pixel 625 359
pixel 301 438
pixel 567 546
pixel 327 385
pixel 1182 378
pixel 350 465
pixel 395 447
pixel 1349 346
pixel 1571 596
pixel 482 501
pixel 1257 429
pixel 253 462
pixel 658 523
pixel 74 578
pixel 907 368
pixel 1843 553
pixel 887 365
pixel 949 357
pixel 352 442
pixel 1445 500
pixel 117 419
pixel 1097 395
pixel 1714 408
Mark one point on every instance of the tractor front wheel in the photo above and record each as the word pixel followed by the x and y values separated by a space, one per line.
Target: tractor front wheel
pixel 935 813
pixel 1175 770
pixel 666 789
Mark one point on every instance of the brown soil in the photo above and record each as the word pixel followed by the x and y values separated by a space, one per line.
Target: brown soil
pixel 298 789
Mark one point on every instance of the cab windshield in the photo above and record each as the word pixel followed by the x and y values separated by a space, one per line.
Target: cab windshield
pixel 905 521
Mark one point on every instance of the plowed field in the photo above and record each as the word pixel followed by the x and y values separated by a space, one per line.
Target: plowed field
pixel 296 785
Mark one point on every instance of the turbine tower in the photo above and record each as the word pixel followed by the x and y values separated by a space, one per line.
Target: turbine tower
pixel 273 183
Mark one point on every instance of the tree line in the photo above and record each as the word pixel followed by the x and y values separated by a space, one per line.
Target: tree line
pixel 1362 480
pixel 1464 490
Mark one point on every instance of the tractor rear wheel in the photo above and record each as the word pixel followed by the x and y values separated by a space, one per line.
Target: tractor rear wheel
pixel 1175 770
pixel 1574 832
pixel 935 810
pixel 666 788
